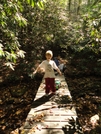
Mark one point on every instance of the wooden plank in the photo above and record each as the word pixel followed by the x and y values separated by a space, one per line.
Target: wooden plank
pixel 59 123
pixel 47 110
pixel 43 131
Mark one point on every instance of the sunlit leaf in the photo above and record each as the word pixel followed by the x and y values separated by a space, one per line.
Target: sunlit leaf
pixel 24 21
pixel 21 53
pixel 2 53
pixel 31 2
pixel 13 57
pixel 40 5
pixel 3 24
pixel 10 65
pixel 92 33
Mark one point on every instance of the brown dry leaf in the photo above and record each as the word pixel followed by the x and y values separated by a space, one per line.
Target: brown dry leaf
pixel 18 112
pixel 94 119
pixel 3 128
pixel 33 129
pixel 15 131
pixel 23 131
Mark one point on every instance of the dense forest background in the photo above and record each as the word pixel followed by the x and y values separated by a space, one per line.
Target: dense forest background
pixel 70 28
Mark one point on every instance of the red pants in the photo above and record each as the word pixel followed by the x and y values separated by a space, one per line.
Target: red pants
pixel 50 85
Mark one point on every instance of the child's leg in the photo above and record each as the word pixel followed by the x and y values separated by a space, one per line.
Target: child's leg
pixel 52 85
pixel 47 83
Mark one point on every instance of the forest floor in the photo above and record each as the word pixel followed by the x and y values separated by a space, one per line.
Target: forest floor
pixel 86 93
pixel 16 100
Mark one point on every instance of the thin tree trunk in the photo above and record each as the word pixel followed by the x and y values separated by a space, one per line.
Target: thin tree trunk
pixel 69 6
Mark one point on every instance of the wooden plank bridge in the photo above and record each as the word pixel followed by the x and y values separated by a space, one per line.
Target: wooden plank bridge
pixel 52 114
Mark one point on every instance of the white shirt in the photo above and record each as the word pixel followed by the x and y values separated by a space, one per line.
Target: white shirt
pixel 49 67
pixel 61 66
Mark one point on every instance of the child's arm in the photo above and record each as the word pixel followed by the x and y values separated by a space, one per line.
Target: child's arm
pixel 58 70
pixel 38 68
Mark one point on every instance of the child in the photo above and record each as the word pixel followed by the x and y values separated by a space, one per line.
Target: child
pixel 49 65
pixel 62 64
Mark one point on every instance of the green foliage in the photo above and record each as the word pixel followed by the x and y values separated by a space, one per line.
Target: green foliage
pixel 33 26
pixel 11 21
pixel 45 29
pixel 39 3
pixel 91 26
pixel 86 28
pixel 10 18
pixel 84 35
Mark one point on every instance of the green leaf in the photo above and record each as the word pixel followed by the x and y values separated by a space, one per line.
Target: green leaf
pixel 93 44
pixel 20 19
pixel 24 21
pixel 31 2
pixel 1 50
pixel 92 33
pixel 3 24
pixel 40 5
pixel 13 57
pixel 2 53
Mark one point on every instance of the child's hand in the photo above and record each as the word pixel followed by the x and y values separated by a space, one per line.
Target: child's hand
pixel 60 73
pixel 58 70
